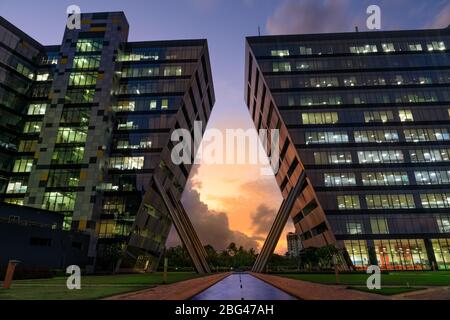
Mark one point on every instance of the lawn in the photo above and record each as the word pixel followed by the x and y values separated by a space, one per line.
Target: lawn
pixel 419 278
pixel 92 287
pixel 387 291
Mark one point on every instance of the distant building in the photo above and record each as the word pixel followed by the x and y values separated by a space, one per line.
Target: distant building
pixel 294 244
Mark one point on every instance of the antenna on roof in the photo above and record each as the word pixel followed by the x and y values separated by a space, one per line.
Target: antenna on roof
pixel 259 31
pixel 356 29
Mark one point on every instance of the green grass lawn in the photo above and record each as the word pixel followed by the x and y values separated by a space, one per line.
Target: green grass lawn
pixel 387 291
pixel 92 287
pixel 422 278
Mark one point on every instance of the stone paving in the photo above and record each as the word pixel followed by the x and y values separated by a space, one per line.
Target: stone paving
pixel 183 290
pixel 314 291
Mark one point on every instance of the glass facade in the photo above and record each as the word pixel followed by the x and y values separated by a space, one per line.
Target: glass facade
pixel 368 117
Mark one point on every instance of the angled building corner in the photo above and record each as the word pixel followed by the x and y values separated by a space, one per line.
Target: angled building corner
pixel 364 128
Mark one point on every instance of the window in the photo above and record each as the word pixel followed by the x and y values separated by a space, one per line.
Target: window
pixel 281 67
pixel 59 201
pixel 415 47
pixel 384 178
pixel 429 155
pixel 145 143
pixel 435 200
pixel 332 157
pixel 124 106
pixel 127 163
pixel 279 53
pixel 339 179
pixel 86 62
pixel 377 136
pixel 63 178
pixel 23 165
pixel 354 228
pixel 83 79
pixel 68 155
pixel 32 127
pixel 348 202
pixel 416 135
pixel 388 47
pixel 17 185
pixel 305 51
pixel 71 135
pixel 80 95
pixel 380 156
pixel 37 109
pixel 390 201
pixel 378 116
pixel 173 71
pixel 75 115
pixel 89 45
pixel 364 49
pixel 127 125
pixel 405 115
pixel 42 76
pixel 27 145
pixel 326 137
pixel 164 104
pixel 153 104
pixel 320 118
pixel 443 224
pixel 436 45
pixel 379 225
pixel 432 177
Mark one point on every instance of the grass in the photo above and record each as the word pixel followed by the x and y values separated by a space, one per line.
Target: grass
pixel 92 287
pixel 387 291
pixel 407 278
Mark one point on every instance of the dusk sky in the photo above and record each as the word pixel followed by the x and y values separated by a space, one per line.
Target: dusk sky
pixel 228 202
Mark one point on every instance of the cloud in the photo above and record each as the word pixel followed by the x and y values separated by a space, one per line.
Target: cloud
pixel 442 19
pixel 263 219
pixel 212 226
pixel 303 16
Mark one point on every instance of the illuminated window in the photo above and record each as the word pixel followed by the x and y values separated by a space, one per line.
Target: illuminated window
pixel 71 135
pixel 339 179
pixel 89 45
pixel 354 228
pixel 405 115
pixel 436 45
pixel 390 201
pixel 27 145
pixel 364 49
pixel 37 108
pixel 358 253
pixel 68 155
pixel 432 177
pixel 416 135
pixel 348 202
pixel 127 163
pixel 146 143
pixel 305 51
pixel 23 165
pixel 79 95
pixel 281 67
pixel 42 77
pixel 63 178
pixel 164 104
pixel 415 47
pixel 17 185
pixel 378 116
pixel 153 104
pixel 124 106
pixel 59 201
pixel 429 155
pixel 379 225
pixel 384 178
pixel 443 224
pixel 75 115
pixel 86 62
pixel 83 79
pixel 377 136
pixel 320 118
pixel 173 71
pixel 435 200
pixel 127 125
pixel 279 53
pixel 332 157
pixel 388 47
pixel 326 137
pixel 381 156
pixel 32 127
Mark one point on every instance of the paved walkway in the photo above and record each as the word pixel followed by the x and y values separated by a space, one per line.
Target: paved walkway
pixel 432 293
pixel 314 291
pixel 183 290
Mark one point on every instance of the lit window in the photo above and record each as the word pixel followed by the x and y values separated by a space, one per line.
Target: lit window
pixel 326 137
pixel 279 53
pixel 429 155
pixel 145 143
pixel 281 67
pixel 164 104
pixel 415 47
pixel 377 136
pixel 364 48
pixel 416 135
pixel 173 71
pixel 390 201
pixel 432 177
pixel 354 228
pixel 305 51
pixel 37 109
pixel 378 116
pixel 380 156
pixel 17 185
pixel 83 79
pixel 127 163
pixel 23 165
pixel 320 118
pixel 32 127
pixel 436 45
pixel 405 115
pixel 332 157
pixel 86 62
pixel 89 45
pixel 384 178
pixel 153 104
pixel 42 76
pixel 348 202
pixel 435 200
pixel 71 135
pixel 124 106
pixel 339 179
pixel 388 47
pixel 59 201
pixel 379 225
pixel 443 224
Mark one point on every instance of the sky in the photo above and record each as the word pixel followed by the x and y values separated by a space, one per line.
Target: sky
pixel 229 202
